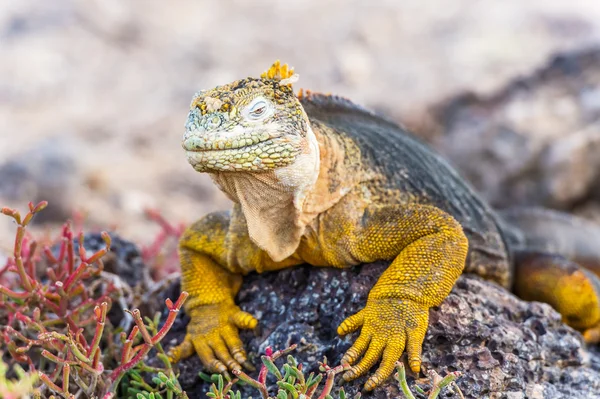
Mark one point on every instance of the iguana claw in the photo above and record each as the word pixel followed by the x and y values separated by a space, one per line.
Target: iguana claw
pixel 213 334
pixel 388 326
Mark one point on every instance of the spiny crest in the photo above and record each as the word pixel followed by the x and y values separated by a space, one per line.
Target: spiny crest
pixel 305 94
pixel 283 73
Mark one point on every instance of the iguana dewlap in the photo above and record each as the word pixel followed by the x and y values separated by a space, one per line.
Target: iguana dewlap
pixel 319 180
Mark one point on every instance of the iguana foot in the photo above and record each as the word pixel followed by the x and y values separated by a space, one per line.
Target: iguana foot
pixel 213 334
pixel 388 326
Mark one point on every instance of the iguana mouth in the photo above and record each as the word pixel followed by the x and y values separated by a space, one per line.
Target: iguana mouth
pixel 198 144
pixel 261 155
pixel 254 149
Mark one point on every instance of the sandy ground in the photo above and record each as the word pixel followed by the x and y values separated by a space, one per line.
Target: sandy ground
pixel 94 94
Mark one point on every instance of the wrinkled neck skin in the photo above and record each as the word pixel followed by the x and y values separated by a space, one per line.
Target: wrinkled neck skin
pixel 279 204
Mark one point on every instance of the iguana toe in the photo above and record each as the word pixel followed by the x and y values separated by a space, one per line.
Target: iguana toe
pixel 181 351
pixel 391 354
pixel 356 350
pixel 388 325
pixel 213 335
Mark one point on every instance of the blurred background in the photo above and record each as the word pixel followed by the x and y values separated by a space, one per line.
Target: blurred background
pixel 94 94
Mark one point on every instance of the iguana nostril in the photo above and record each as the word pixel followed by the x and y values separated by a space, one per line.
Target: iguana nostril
pixel 213 122
pixel 194 143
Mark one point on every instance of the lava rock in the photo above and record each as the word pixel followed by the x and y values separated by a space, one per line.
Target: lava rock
pixel 536 141
pixel 124 258
pixel 506 348
pixel 47 172
pixel 125 261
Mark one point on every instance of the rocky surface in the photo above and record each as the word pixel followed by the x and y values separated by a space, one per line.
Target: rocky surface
pixel 536 141
pixel 507 348
pixel 47 172
pixel 124 258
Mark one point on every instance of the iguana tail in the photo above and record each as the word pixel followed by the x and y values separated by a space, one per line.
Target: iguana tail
pixel 557 261
pixel 547 231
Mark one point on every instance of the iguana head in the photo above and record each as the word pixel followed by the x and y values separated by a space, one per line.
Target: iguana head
pixel 255 140
pixel 253 124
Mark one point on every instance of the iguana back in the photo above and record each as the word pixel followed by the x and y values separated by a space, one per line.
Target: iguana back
pixel 410 167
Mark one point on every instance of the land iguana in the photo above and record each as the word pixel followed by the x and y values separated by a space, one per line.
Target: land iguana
pixel 317 179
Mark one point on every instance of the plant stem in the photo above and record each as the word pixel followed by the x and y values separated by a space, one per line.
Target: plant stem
pixel 402 380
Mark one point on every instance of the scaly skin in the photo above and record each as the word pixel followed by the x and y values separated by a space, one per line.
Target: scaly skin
pixel 319 180
pixel 565 286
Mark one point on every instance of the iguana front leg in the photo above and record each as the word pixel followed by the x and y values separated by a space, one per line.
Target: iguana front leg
pixel 429 250
pixel 214 253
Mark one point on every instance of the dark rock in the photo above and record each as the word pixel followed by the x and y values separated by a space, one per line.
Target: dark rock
pixel 506 348
pixel 124 258
pixel 536 141
pixel 47 172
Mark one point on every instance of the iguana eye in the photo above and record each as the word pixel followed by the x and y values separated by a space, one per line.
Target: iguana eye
pixel 258 110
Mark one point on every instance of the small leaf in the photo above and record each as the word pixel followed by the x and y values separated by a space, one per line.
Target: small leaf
pixel 135 375
pixel 246 379
pixel 221 384
pixel 40 207
pixel 271 367
pixel 286 372
pixel 294 371
pixel 420 390
pixel 314 381
pixel 205 377
pixel 234 395
pixel 291 360
pixel 288 387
